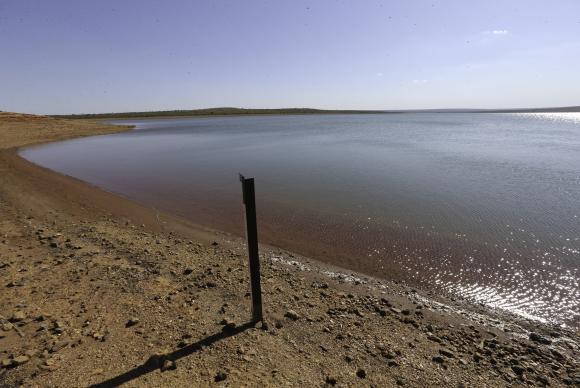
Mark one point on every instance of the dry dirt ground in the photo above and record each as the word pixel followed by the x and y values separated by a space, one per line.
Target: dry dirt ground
pixel 97 290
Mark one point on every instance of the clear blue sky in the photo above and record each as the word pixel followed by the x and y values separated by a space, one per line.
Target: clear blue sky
pixel 74 56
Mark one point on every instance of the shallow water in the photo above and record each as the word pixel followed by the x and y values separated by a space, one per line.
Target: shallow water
pixel 484 206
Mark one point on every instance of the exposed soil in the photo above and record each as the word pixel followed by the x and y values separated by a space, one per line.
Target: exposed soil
pixel 96 289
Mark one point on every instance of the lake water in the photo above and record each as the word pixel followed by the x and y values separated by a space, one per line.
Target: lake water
pixel 483 206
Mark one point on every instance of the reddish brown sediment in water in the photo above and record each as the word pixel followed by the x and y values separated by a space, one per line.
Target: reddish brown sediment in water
pixel 95 289
pixel 420 258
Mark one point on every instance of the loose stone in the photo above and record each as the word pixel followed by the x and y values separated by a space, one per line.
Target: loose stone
pixel 20 360
pixel 220 376
pixel 132 322
pixel 291 314
pixel 168 365
pixel 438 359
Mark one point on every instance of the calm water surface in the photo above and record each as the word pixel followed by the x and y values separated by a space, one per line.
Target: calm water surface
pixel 484 206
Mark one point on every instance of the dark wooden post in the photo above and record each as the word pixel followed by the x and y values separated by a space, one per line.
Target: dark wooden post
pixel 252 235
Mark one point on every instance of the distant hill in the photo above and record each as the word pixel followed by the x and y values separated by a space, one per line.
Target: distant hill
pixel 215 112
pixel 228 111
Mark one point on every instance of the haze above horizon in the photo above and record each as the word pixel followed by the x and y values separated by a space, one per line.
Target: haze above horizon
pixel 67 56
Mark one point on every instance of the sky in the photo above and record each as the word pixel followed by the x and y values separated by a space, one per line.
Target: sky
pixel 87 56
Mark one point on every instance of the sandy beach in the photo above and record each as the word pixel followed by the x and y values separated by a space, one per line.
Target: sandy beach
pixel 98 290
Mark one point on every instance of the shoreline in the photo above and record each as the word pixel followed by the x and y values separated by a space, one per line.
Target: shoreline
pixel 298 239
pixel 153 219
pixel 151 245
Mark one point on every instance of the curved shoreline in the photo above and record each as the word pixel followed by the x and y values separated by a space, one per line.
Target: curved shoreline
pixel 153 220
pixel 123 259
pixel 150 218
pixel 301 234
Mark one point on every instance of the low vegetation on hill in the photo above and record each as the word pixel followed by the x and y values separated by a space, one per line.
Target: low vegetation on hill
pixel 213 112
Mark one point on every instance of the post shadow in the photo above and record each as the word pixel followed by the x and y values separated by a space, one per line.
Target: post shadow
pixel 155 362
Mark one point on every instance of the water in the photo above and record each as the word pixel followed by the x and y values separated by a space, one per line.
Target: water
pixel 484 206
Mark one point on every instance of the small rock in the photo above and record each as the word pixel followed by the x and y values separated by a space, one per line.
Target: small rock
pixel 31 353
pixel 330 380
pixel 20 360
pixel 361 373
pixel 7 326
pixel 540 339
pixel 6 363
pixel 99 337
pixel 518 369
pixel 132 322
pixel 291 314
pixel 557 354
pixel 409 321
pixel 543 379
pixel 168 365
pixel 438 359
pixel 18 316
pixel 229 325
pixel 59 345
pixel 446 353
pixel 220 376
pixel 156 360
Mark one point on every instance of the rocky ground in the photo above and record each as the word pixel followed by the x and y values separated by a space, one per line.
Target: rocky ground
pixel 97 290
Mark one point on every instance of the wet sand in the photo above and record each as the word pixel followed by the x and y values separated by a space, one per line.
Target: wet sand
pixel 93 286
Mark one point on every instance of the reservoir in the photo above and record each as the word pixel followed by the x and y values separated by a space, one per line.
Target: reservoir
pixel 482 206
